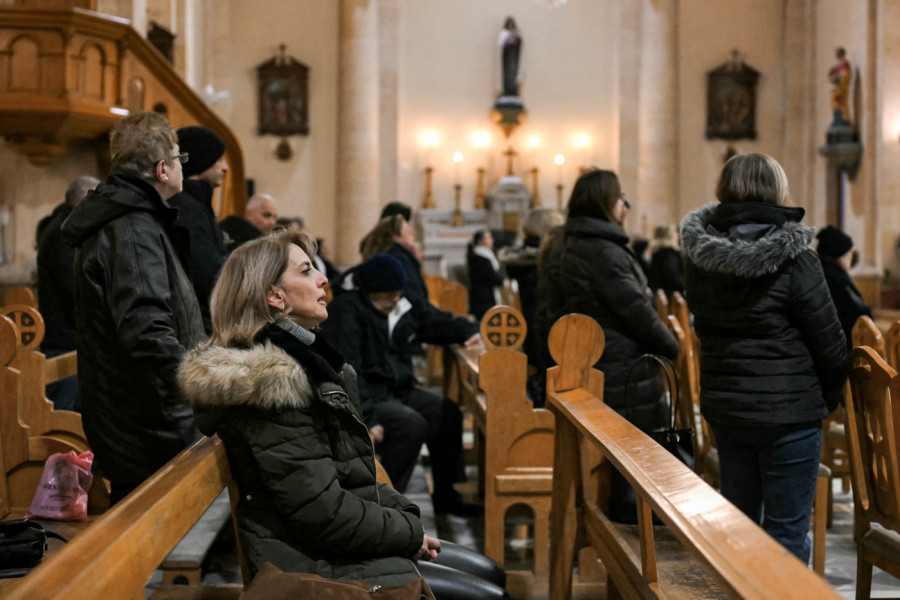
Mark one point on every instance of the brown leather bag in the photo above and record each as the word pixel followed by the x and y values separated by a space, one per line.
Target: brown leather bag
pixel 271 583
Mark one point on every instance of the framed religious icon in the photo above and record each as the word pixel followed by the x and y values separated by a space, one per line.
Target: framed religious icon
pixel 283 96
pixel 731 101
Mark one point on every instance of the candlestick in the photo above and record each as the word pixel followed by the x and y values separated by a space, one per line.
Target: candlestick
pixel 428 199
pixel 458 158
pixel 479 189
pixel 457 212
pixel 535 194
pixel 560 160
pixel 559 197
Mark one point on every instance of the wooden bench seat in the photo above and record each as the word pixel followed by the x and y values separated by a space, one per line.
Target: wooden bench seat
pixel 716 539
pixel 117 553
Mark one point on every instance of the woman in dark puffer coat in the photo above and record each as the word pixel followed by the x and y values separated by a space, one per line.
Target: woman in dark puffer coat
pixel 590 269
pixel 285 404
pixel 771 346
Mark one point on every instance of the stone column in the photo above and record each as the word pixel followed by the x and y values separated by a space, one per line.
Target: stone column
pixel 802 78
pixel 657 191
pixel 358 143
pixel 629 123
pixel 388 31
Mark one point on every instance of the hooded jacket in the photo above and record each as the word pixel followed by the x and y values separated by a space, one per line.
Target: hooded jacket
pixel 56 283
pixel 136 313
pixel 303 460
pixel 591 270
pixel 771 345
pixel 208 251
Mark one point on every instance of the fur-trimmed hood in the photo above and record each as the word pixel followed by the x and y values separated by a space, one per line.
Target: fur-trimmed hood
pixel 728 254
pixel 264 376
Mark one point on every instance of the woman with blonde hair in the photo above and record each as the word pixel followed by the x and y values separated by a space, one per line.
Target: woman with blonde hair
pixel 771 346
pixel 285 404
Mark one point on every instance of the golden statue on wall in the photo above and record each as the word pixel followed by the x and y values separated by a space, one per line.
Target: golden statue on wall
pixel 840 76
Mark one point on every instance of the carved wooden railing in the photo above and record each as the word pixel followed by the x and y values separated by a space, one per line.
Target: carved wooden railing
pixel 71 74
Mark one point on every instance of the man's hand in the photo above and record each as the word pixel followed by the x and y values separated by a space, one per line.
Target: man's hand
pixel 475 339
pixel 377 433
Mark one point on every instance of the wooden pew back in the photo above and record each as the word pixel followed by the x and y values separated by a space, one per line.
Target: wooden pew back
pixel 865 333
pixel 35 409
pixel 892 345
pixel 730 547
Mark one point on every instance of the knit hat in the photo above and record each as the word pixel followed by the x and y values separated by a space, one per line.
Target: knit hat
pixel 833 243
pixel 397 208
pixel 381 273
pixel 204 147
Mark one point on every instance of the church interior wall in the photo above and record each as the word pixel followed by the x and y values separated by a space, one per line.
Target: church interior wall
pixel 449 79
pixel 304 184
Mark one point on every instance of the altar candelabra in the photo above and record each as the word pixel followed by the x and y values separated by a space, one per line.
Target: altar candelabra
pixel 428 198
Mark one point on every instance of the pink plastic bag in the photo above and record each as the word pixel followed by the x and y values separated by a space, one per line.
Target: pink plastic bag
pixel 62 493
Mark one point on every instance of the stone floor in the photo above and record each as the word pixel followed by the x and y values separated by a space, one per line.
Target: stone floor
pixel 840 560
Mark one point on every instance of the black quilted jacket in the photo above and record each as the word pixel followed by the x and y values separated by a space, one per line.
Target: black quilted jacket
pixel 771 345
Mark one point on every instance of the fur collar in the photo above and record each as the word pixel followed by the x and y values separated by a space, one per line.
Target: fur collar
pixel 265 376
pixel 743 258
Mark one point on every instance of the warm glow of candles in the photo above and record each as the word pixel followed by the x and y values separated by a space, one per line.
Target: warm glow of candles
pixel 458 158
pixel 534 141
pixel 582 141
pixel 481 139
pixel 429 138
pixel 559 159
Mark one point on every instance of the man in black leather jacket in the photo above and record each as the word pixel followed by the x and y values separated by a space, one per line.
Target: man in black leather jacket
pixel 136 312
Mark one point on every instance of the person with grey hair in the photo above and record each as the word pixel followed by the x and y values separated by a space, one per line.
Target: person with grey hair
pixel 772 352
pixel 135 309
pixel 56 289
pixel 260 218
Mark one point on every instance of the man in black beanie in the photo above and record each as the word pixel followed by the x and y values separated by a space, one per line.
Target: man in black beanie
pixel 204 171
pixel 835 252
pixel 374 328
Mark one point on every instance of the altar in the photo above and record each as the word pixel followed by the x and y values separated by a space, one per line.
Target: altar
pixel 444 244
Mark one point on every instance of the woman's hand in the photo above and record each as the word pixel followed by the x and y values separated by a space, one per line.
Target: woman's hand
pixel 475 339
pixel 377 433
pixel 429 550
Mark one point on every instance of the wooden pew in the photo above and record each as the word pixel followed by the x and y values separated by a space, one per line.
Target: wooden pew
pixel 20 294
pixel 515 445
pixel 114 557
pixel 718 552
pixel 892 345
pixel 26 448
pixel 35 409
pixel 662 304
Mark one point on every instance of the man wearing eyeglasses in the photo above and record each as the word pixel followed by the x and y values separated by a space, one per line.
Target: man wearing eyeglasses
pixel 204 171
pixel 135 309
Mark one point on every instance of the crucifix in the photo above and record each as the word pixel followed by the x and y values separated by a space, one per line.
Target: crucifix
pixel 509 154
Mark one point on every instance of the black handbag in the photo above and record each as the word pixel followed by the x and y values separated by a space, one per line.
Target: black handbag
pixel 22 546
pixel 679 442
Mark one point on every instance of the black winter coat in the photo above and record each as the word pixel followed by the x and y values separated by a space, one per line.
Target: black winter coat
pixel 56 283
pixel 666 271
pixel 591 270
pixel 430 320
pixel 770 340
pixel 208 251
pixel 303 461
pixel 239 231
pixel 521 265
pixel 136 313
pixel 847 300
pixel 383 362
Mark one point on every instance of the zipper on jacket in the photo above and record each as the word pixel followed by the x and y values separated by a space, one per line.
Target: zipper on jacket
pixel 371 443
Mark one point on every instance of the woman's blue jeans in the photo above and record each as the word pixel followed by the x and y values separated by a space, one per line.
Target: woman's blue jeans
pixel 770 474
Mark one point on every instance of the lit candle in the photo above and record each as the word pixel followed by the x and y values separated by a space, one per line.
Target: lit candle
pixel 428 139
pixel 458 158
pixel 581 141
pixel 560 160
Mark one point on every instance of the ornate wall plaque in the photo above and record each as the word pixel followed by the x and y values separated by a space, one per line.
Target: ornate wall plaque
pixel 283 96
pixel 731 101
